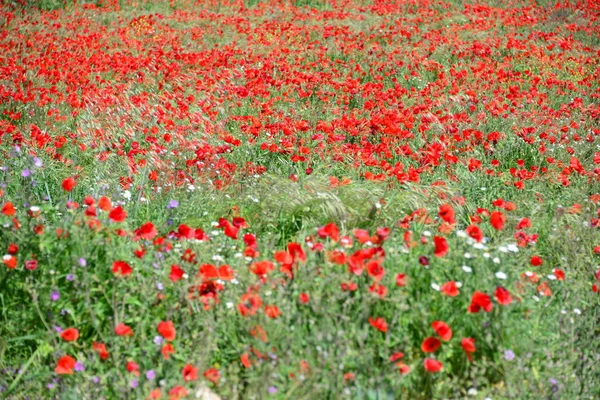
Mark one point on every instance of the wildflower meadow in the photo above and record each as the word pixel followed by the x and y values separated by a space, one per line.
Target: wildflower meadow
pixel 300 199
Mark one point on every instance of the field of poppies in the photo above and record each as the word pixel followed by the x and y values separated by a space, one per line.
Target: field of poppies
pixel 300 199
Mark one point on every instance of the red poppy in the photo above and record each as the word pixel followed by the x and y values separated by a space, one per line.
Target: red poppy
pixel 133 367
pixel 250 303
pixel 70 334
pixel 330 230
pixel 536 261
pixel 101 349
pixel 261 268
pixel 272 311
pixel 65 365
pixel 147 231
pixel 503 296
pixel 190 373
pixel 450 289
pixel 498 219
pixel 226 273
pixel 177 393
pixel 104 203
pixel 123 330
pixel 68 184
pixel 8 209
pixel 167 350
pixel 10 261
pixel 213 375
pixel 121 268
pixel 446 212
pixel 474 232
pixel 442 329
pixel 479 301
pixel 304 298
pixel 401 280
pixel 432 366
pixel 396 356
pixel 379 323
pixel 167 330
pixel 430 345
pixel 441 246
pixel 245 360
pixel 176 273
pixel 117 214
pixel 468 345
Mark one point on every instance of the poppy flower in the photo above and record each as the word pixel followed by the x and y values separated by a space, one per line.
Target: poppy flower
pixel 430 345
pixel 468 345
pixel 441 246
pixel 123 330
pixel 497 220
pixel 190 373
pixel 147 231
pixel 536 261
pixel 503 296
pixel 133 367
pixel 68 184
pixel 479 301
pixel 104 203
pixel 304 298
pixel 442 329
pixel 475 233
pixel 523 224
pixel 117 214
pixel 226 273
pixel 176 273
pixel 396 356
pixel 167 330
pixel 330 230
pixel 402 368
pixel 432 366
pixel 10 261
pixel 177 393
pixel 401 280
pixel 261 268
pixel 379 324
pixel 70 334
pixel 272 311
pixel 65 365
pixel 167 350
pixel 213 375
pixel 8 209
pixel 446 213
pixel 101 349
pixel 249 304
pixel 245 360
pixel 450 289
pixel 121 268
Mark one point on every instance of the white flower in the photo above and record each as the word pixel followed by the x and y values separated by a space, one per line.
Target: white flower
pixel 536 298
pixel 513 248
pixel 468 255
pixel 426 233
pixel 577 311
pixel 435 287
pixel 34 208
pixel 500 275
pixel 503 249
pixel 467 269
pixel 461 234
pixel 552 277
pixel 496 260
